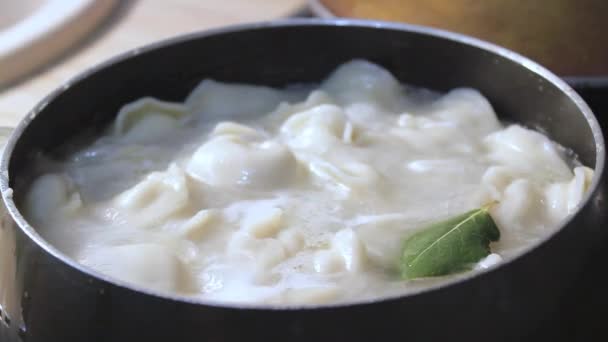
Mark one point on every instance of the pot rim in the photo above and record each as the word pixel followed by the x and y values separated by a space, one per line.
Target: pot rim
pixel 524 62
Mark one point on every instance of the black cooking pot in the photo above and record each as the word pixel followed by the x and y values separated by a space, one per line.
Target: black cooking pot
pixel 48 297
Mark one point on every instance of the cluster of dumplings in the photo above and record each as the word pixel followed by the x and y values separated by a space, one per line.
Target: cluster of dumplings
pixel 302 195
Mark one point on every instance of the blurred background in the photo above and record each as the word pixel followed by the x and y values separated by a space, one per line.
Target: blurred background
pixel 43 43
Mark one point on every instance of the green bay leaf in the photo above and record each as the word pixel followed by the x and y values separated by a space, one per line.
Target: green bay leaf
pixel 449 246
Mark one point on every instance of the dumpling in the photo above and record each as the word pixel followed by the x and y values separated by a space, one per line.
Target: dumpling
pixel 235 159
pixel 496 178
pixel 425 132
pixel 367 115
pixel 199 225
pixel 520 208
pixel 314 99
pixel 262 254
pixel 348 245
pixel 229 128
pixel 263 223
pixel 462 168
pixel 292 240
pixel 374 230
pixel 225 100
pixel 467 109
pixel 153 200
pixel 144 264
pixel 347 253
pixel 316 129
pixel 438 138
pixel 147 119
pixel 528 152
pixel 346 177
pixel 328 261
pixel 361 81
pixel 563 198
pixel 51 195
pixel 260 218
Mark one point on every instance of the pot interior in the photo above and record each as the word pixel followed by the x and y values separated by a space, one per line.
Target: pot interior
pixel 302 52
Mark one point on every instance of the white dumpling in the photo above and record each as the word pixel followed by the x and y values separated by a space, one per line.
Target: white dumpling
pixel 198 225
pixel 144 264
pixel 467 109
pixel 361 81
pixel 563 198
pixel 229 160
pixel 527 152
pixel 262 254
pixel 51 195
pixel 292 240
pixel 346 178
pixel 261 218
pixel 440 138
pixel 225 100
pixel 154 199
pixel 328 261
pixel 233 129
pixel 347 243
pixel 449 167
pixel 314 99
pixel 368 115
pixel 426 132
pixel 496 178
pixel 147 119
pixel 347 253
pixel 316 129
pixel 520 208
pixel 373 231
pixel 263 223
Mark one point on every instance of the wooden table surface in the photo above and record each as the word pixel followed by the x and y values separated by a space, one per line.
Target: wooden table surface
pixel 135 23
